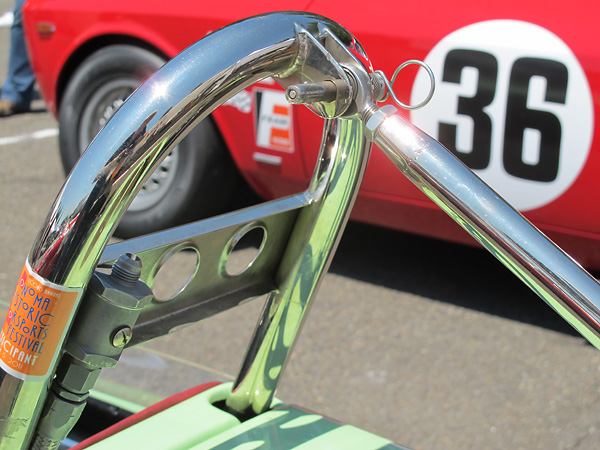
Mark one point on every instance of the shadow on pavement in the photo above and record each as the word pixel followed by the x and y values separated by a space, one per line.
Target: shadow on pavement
pixel 461 275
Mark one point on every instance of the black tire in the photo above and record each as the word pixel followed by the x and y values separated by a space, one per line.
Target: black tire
pixel 198 179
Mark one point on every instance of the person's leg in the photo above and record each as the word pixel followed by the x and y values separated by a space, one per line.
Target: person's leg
pixel 18 88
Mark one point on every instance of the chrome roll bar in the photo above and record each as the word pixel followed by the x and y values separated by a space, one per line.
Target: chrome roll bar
pixel 513 240
pixel 294 48
pixel 322 66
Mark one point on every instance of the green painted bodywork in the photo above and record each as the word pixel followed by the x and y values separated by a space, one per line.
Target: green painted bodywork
pixel 196 424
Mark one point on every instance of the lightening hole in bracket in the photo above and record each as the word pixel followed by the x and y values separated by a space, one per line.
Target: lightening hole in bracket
pixel 175 271
pixel 243 249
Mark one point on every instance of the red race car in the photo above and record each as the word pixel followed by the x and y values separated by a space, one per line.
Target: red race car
pixel 516 100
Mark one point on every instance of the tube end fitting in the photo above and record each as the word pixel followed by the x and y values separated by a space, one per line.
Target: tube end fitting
pixel 376 118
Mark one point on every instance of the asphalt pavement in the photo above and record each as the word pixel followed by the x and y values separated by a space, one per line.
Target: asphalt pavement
pixel 431 344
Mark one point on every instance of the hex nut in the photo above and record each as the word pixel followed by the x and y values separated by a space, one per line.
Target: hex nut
pixel 105 286
pixel 77 378
pixel 377 119
pixel 108 305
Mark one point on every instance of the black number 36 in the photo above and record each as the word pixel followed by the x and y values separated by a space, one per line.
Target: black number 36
pixel 518 116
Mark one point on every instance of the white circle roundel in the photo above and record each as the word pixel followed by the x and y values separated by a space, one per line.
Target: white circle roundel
pixel 513 103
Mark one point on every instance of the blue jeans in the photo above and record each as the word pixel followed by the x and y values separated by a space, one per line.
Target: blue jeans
pixel 18 86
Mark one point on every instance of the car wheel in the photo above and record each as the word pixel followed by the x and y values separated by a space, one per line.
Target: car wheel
pixel 183 188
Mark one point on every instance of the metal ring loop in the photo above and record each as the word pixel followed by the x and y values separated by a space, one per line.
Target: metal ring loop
pixel 390 90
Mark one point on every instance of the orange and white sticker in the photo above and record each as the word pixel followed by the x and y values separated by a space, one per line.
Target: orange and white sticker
pixel 274 125
pixel 35 325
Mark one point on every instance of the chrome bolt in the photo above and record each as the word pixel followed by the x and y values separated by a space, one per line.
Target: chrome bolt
pixel 292 94
pixel 309 93
pixel 121 337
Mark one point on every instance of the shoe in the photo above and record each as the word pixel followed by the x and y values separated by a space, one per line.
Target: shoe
pixel 8 108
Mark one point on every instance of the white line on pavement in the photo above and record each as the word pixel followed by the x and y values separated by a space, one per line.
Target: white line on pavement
pixel 6 19
pixel 40 134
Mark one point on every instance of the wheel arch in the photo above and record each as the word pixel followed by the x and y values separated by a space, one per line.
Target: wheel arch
pixel 78 56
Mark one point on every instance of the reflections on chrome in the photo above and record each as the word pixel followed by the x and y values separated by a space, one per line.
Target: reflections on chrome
pixel 295 49
pixel 531 256
pixel 143 132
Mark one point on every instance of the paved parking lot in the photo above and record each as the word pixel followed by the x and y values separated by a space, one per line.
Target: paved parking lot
pixel 430 344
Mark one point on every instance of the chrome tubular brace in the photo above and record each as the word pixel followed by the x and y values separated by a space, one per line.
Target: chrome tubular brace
pixel 300 232
pixel 322 66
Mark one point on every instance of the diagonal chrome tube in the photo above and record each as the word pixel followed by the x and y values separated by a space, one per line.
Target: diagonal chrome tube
pixel 514 241
pixel 134 142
